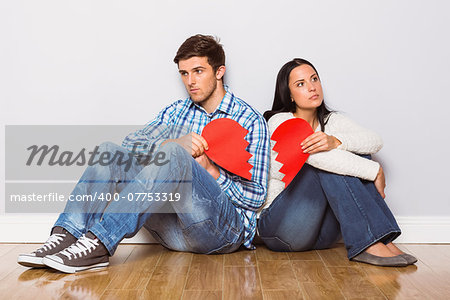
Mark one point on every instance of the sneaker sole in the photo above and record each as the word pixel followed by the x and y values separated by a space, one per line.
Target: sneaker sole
pixel 68 269
pixel 30 261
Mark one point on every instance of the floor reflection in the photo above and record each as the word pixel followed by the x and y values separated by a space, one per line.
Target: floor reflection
pixel 84 285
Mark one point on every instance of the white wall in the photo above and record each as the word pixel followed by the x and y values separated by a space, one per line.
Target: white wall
pixel 385 63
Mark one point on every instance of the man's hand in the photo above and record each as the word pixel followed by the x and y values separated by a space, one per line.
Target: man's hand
pixel 380 182
pixel 318 142
pixel 206 163
pixel 192 143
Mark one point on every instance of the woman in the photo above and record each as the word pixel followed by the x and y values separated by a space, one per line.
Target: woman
pixel 338 190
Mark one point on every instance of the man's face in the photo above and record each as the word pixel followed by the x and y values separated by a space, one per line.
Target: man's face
pixel 198 77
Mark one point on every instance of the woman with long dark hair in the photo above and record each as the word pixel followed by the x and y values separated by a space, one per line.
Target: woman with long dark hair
pixel 339 189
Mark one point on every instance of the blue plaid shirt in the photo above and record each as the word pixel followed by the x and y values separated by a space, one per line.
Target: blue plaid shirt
pixel 186 116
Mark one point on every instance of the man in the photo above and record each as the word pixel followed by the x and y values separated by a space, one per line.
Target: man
pixel 221 215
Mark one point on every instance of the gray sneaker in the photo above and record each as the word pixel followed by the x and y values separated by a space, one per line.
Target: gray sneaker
pixel 58 240
pixel 86 253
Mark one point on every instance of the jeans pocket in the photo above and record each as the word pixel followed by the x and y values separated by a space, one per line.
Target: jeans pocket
pixel 204 237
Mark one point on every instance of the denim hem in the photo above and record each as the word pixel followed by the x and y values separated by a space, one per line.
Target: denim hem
pixel 108 243
pixel 360 249
pixel 72 230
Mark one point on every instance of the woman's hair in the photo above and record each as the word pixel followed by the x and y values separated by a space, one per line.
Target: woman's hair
pixel 282 100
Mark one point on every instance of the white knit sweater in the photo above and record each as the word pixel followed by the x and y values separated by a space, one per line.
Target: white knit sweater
pixel 342 160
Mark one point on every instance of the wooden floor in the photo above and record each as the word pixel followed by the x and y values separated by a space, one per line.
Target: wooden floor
pixel 152 272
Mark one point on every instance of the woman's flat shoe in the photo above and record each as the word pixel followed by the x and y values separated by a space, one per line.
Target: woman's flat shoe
pixel 409 258
pixel 393 261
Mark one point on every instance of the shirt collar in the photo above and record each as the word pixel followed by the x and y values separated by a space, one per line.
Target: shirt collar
pixel 225 106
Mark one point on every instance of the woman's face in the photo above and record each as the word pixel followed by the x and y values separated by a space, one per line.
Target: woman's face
pixel 305 87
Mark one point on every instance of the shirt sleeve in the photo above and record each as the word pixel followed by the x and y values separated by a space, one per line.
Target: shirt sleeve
pixel 250 194
pixel 153 134
pixel 354 138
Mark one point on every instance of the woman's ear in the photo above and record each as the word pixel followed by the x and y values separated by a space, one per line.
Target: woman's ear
pixel 220 72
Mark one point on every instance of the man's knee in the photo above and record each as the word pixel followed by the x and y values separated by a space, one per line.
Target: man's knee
pixel 173 151
pixel 172 148
pixel 110 147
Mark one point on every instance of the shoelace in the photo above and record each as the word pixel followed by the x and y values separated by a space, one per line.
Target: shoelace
pixel 82 247
pixel 52 242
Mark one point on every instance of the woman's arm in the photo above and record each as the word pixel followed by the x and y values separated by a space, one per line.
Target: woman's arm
pixel 345 163
pixel 328 157
pixel 354 138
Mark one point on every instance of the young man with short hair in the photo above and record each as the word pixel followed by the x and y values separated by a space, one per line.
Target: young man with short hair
pixel 221 215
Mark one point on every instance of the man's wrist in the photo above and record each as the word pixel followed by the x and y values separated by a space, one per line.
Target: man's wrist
pixel 214 171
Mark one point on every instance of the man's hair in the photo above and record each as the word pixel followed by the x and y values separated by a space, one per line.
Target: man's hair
pixel 202 46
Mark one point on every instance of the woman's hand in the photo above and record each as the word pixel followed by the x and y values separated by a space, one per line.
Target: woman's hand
pixel 380 182
pixel 318 142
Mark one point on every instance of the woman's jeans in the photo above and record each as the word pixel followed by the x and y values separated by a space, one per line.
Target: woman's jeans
pixel 317 206
pixel 203 221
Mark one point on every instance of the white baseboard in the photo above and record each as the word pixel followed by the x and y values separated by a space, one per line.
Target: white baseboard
pixel 36 228
pixel 33 228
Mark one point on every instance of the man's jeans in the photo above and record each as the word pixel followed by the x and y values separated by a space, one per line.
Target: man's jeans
pixel 203 221
pixel 308 213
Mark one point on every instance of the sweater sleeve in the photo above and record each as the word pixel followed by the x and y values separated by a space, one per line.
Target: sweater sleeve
pixel 354 138
pixel 344 163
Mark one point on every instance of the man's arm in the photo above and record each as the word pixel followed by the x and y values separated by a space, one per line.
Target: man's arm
pixel 250 194
pixel 154 132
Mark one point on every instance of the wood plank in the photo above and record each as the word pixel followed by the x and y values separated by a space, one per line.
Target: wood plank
pixel 93 283
pixel 205 273
pixel 241 283
pixel 304 255
pixel 282 295
pixel 240 258
pixel 311 271
pixel 137 269
pixel 392 282
pixel 44 283
pixel 430 283
pixel 353 283
pixel 202 295
pixel 167 282
pixel 336 257
pixel 9 259
pixel 277 275
pixel 27 284
pixel 5 248
pixel 174 258
pixel 437 260
pixel 125 294
pixel 315 290
pixel 435 256
pixel 244 275
pixel 262 253
pixel 89 284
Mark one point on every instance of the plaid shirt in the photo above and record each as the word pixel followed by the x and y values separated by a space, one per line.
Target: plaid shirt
pixel 184 116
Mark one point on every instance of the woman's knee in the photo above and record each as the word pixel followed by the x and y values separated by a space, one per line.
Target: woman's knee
pixel 328 241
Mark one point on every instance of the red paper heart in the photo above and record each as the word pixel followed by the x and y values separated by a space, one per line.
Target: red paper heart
pixel 288 137
pixel 226 143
